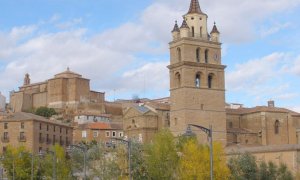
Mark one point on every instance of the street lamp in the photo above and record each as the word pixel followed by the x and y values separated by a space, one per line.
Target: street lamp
pixel 53 153
pixel 189 132
pixel 84 150
pixel 129 153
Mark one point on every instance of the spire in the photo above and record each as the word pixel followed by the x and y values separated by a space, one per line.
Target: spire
pixel 195 7
pixel 26 79
pixel 184 24
pixel 176 28
pixel 215 29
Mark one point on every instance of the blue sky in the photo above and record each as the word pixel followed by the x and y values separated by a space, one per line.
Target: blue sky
pixel 122 46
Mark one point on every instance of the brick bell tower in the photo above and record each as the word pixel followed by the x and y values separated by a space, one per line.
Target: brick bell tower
pixel 197 82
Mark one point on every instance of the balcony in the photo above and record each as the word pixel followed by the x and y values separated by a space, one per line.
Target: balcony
pixel 22 138
pixel 5 139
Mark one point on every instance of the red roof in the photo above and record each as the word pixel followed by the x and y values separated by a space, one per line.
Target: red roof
pixel 99 125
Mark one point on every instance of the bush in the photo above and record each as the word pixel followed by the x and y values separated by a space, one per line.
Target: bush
pixel 45 112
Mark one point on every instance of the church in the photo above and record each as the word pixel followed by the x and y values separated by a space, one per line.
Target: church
pixel 197 96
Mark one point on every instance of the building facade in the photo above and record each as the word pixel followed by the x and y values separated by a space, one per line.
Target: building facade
pixel 66 91
pixel 99 132
pixel 197 85
pixel 33 132
pixel 2 103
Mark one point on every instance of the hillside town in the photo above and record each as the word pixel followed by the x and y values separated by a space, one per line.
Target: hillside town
pixel 64 111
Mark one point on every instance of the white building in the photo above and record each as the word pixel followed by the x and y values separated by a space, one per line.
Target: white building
pixel 91 118
pixel 2 102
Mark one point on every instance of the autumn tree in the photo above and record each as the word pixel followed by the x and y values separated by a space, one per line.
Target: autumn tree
pixel 62 164
pixel 194 162
pixel 161 156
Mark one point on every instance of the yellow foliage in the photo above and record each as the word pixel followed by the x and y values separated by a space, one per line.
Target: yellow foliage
pixel 195 162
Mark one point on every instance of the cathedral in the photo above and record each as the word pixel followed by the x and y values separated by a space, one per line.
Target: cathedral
pixel 197 96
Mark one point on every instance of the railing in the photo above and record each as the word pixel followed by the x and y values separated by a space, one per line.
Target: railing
pixel 22 138
pixel 5 139
pixel 196 36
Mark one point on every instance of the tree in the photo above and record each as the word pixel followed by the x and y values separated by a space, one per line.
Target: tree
pixel 62 164
pixel 243 167
pixel 17 162
pixel 161 156
pixel 138 165
pixel 195 162
pixel 45 112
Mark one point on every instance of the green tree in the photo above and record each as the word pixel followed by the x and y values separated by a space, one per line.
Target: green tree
pixel 45 112
pixel 161 156
pixel 283 173
pixel 17 161
pixel 243 167
pixel 195 162
pixel 62 164
pixel 138 165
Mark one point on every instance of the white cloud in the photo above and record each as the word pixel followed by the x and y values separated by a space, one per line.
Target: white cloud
pixel 254 72
pixel 276 27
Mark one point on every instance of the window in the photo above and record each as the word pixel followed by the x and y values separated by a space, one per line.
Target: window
pixel 47 138
pixel 40 149
pixel 95 134
pixel 198 54
pixel 200 31
pixel 107 134
pixel 22 135
pixel 206 56
pixel 4 149
pixel 47 127
pixel 22 125
pixel 175 121
pixel 5 135
pixel 83 134
pixel 60 130
pixel 40 126
pixel 179 54
pixel 230 124
pixel 210 79
pixel 40 137
pixel 193 31
pixel 277 124
pixel 197 80
pixel 177 80
pixel 121 134
pixel 114 134
pixel 5 125
pixel 66 131
pixel 54 128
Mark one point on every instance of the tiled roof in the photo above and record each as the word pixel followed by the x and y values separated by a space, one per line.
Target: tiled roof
pixel 99 125
pixel 184 24
pixel 142 109
pixel 176 28
pixel 195 7
pixel 259 109
pixel 215 29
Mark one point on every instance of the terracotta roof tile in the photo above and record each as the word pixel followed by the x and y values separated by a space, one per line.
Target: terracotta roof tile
pixel 195 7
pixel 99 125
pixel 215 29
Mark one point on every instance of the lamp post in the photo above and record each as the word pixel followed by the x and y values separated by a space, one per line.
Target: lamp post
pixel 84 150
pixel 129 153
pixel 189 132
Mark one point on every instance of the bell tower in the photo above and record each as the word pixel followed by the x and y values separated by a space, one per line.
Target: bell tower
pixel 197 86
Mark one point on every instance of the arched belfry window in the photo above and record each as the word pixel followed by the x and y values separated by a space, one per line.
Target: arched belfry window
pixel 210 79
pixel 198 54
pixel 200 31
pixel 198 80
pixel 206 56
pixel 277 124
pixel 177 79
pixel 179 54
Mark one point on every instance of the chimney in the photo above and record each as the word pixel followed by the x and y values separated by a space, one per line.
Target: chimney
pixel 271 103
